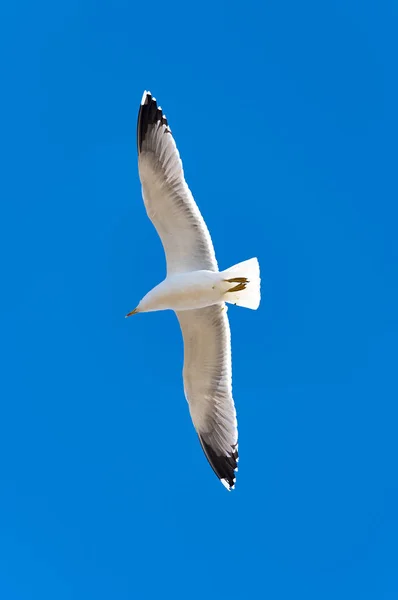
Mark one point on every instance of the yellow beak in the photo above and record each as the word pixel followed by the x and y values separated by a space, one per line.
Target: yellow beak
pixel 133 312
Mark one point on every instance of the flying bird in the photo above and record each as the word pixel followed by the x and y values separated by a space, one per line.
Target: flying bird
pixel 195 289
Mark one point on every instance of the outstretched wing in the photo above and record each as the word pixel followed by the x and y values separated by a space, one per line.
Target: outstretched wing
pixel 168 200
pixel 208 386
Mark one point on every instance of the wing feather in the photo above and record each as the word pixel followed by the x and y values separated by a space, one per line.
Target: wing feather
pixel 168 200
pixel 208 386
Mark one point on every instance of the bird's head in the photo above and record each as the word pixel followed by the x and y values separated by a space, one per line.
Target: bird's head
pixel 147 304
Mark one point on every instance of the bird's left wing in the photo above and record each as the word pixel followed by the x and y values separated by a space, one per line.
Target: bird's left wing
pixel 208 386
pixel 168 200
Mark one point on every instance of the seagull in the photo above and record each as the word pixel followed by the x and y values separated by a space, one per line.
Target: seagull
pixel 194 289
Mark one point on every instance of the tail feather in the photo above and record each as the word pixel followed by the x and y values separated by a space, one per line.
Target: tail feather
pixel 243 281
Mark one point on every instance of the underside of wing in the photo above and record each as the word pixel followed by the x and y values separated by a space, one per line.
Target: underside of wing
pixel 168 200
pixel 208 387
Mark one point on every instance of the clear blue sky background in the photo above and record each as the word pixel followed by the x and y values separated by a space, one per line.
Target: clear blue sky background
pixel 285 114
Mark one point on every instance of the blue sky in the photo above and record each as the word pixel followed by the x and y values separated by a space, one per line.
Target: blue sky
pixel 285 116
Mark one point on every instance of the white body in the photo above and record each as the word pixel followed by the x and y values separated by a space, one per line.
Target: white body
pixel 184 291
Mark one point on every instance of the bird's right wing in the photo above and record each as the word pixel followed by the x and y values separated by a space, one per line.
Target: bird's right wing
pixel 168 200
pixel 208 386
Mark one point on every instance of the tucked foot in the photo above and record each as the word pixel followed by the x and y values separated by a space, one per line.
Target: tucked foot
pixel 238 288
pixel 237 280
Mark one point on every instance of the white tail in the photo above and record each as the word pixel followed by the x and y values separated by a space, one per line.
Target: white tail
pixel 243 281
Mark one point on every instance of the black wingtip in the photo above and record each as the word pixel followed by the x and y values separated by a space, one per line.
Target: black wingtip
pixel 149 114
pixel 223 466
